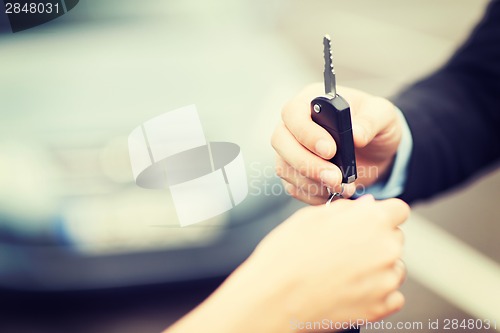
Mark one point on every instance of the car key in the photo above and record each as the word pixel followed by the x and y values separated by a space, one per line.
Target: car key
pixel 333 113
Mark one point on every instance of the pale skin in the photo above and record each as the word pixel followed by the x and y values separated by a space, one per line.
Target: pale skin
pixel 338 262
pixel 303 148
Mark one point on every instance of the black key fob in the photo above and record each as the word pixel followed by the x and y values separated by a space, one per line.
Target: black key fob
pixel 334 115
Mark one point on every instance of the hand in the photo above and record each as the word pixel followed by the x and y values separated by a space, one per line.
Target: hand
pixel 337 262
pixel 304 148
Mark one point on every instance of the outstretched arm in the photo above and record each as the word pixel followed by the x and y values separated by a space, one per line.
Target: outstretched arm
pixel 335 263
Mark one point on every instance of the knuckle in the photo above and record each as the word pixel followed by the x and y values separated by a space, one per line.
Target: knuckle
pixel 402 206
pixel 406 209
pixel 294 194
pixel 391 251
pixel 289 188
pixel 285 112
pixel 391 283
pixel 302 135
pixel 279 169
pixel 303 167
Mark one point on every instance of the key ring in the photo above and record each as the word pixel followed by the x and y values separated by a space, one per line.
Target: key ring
pixel 334 195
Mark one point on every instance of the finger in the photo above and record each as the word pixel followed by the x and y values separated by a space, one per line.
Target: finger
pixel 371 116
pixel 302 160
pixel 400 236
pixel 349 190
pixel 396 211
pixel 387 305
pixel 377 284
pixel 292 176
pixel 394 302
pixel 375 118
pixel 302 196
pixel 400 271
pixel 296 116
pixel 366 198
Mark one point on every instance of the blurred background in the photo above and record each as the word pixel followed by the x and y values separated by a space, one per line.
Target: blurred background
pixel 83 249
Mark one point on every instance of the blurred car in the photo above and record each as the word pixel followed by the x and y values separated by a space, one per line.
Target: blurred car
pixel 71 90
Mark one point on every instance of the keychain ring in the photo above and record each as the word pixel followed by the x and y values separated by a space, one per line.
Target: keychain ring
pixel 334 195
pixel 342 189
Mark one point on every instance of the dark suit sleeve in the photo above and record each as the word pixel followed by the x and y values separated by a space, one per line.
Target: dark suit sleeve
pixel 454 114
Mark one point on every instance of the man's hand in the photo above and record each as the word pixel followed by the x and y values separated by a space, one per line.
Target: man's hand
pixel 304 148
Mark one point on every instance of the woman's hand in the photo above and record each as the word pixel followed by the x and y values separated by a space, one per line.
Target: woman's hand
pixel 339 262
pixel 336 263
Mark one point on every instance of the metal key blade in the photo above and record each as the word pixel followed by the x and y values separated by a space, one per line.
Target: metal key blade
pixel 329 74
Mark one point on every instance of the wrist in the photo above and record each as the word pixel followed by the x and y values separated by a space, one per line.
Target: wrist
pixel 244 303
pixel 393 181
pixel 257 300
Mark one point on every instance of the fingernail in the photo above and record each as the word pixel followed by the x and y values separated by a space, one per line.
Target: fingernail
pixel 324 148
pixel 329 177
pixel 349 190
pixel 366 197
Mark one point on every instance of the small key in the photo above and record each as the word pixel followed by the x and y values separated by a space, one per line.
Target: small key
pixel 333 113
